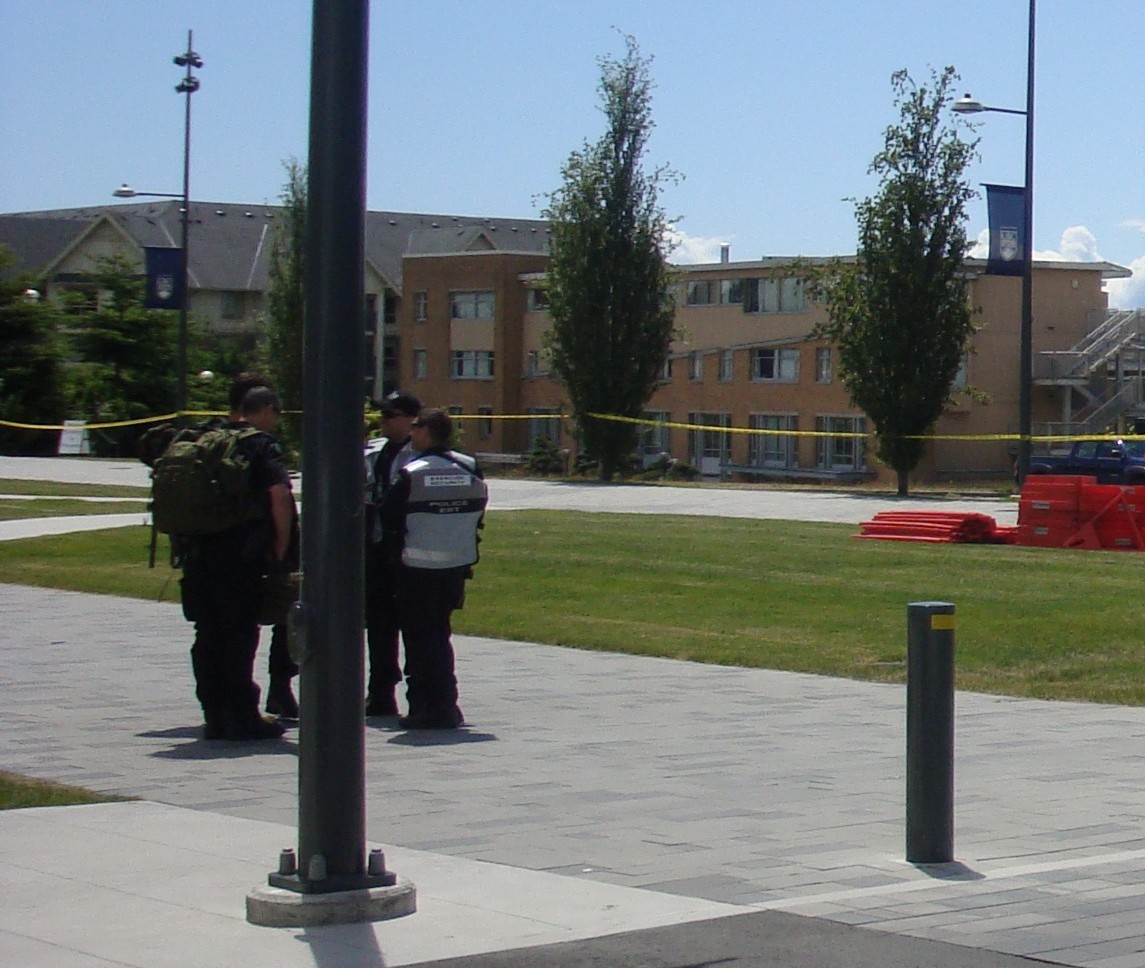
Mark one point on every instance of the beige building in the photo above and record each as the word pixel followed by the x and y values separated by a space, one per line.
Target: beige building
pixel 472 327
pixel 456 313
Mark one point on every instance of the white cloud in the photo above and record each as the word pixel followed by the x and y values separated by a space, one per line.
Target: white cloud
pixel 1079 244
pixel 1129 293
pixel 693 249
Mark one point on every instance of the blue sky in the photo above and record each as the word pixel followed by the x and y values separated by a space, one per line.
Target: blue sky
pixel 770 109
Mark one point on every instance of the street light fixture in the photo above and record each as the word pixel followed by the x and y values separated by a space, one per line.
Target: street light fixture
pixel 968 105
pixel 188 85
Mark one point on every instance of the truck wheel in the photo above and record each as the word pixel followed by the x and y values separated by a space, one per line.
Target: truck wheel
pixel 1134 478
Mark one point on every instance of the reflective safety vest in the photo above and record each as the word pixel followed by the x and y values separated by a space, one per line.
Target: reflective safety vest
pixel 446 502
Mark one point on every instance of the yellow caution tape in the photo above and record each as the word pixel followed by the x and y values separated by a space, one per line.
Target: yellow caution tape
pixel 639 421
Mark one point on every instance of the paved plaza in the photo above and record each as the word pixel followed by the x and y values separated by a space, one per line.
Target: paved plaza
pixel 599 809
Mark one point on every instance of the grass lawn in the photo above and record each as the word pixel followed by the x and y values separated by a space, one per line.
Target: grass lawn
pixel 20 791
pixel 782 595
pixel 12 509
pixel 48 499
pixel 14 485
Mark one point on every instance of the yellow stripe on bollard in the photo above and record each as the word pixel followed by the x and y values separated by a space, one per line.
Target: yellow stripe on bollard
pixel 942 623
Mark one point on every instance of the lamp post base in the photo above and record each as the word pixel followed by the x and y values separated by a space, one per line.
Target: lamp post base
pixel 278 907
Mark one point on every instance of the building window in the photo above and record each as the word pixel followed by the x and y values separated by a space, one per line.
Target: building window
pixel 823 368
pixel 545 425
pixel 791 297
pixel 532 362
pixel 726 358
pixel 773 449
pixel 472 364
pixel 731 292
pixel 654 436
pixel 420 367
pixel 709 447
pixel 962 377
pixel 781 366
pixel 700 292
pixel 484 423
pixel 232 305
pixel 538 301
pixel 420 306
pixel 666 373
pixel 848 450
pixel 695 365
pixel 780 295
pixel 471 305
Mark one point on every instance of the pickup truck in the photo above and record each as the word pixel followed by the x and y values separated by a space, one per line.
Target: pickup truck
pixel 1110 461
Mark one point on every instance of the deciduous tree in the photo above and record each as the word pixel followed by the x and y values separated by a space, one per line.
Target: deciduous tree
pixel 609 286
pixel 281 351
pixel 899 314
pixel 124 355
pixel 31 378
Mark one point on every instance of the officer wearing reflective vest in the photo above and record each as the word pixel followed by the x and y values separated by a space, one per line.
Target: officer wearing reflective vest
pixel 434 511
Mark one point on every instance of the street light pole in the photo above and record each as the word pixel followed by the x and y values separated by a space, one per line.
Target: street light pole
pixel 968 105
pixel 1025 401
pixel 187 86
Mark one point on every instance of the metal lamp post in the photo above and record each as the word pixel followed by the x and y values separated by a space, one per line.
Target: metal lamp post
pixel 967 105
pixel 188 86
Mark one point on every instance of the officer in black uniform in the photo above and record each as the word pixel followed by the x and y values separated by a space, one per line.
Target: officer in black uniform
pixel 433 512
pixel 221 579
pixel 383 554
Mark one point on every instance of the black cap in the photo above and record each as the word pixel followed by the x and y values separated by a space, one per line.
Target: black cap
pixel 405 404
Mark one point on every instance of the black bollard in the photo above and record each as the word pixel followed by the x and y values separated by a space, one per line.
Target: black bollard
pixel 930 733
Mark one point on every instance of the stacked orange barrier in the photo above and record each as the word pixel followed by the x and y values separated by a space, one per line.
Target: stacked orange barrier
pixel 936 526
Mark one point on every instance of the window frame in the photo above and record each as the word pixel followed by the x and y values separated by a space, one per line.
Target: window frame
pixel 780 355
pixel 841 450
pixel 471 365
pixel 482 302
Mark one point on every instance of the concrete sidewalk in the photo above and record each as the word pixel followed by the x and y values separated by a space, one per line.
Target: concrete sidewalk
pixel 599 809
pixel 592 795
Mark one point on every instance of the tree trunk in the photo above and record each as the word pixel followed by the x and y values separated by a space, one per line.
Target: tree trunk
pixel 904 483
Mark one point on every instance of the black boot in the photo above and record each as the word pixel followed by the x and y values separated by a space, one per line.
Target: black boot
pixel 280 700
pixel 214 724
pixel 251 726
pixel 381 702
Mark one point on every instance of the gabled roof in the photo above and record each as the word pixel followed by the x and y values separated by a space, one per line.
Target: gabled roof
pixel 34 243
pixel 230 243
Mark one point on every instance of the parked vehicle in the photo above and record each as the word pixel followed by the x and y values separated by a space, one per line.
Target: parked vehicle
pixel 1110 461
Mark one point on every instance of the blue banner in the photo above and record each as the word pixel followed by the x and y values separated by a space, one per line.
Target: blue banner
pixel 164 278
pixel 1006 205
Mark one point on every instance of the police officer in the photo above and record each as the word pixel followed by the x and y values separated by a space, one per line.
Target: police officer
pixel 220 586
pixel 433 512
pixel 384 458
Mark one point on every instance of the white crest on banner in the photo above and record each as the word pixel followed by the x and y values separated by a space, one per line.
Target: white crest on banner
pixel 1008 243
pixel 164 287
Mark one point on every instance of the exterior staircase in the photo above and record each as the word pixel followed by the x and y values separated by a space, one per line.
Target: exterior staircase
pixel 1102 375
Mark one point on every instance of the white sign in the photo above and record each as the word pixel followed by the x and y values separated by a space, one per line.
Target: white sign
pixel 74 439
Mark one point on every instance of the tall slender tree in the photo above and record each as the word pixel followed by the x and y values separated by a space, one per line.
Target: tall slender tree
pixel 281 351
pixel 31 379
pixel 899 314
pixel 609 281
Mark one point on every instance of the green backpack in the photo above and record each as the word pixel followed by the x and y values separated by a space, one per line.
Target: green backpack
pixel 202 483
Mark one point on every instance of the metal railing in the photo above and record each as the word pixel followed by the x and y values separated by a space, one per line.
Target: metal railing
pixel 1119 328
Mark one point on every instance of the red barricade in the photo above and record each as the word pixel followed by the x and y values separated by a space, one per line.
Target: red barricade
pixel 1077 512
